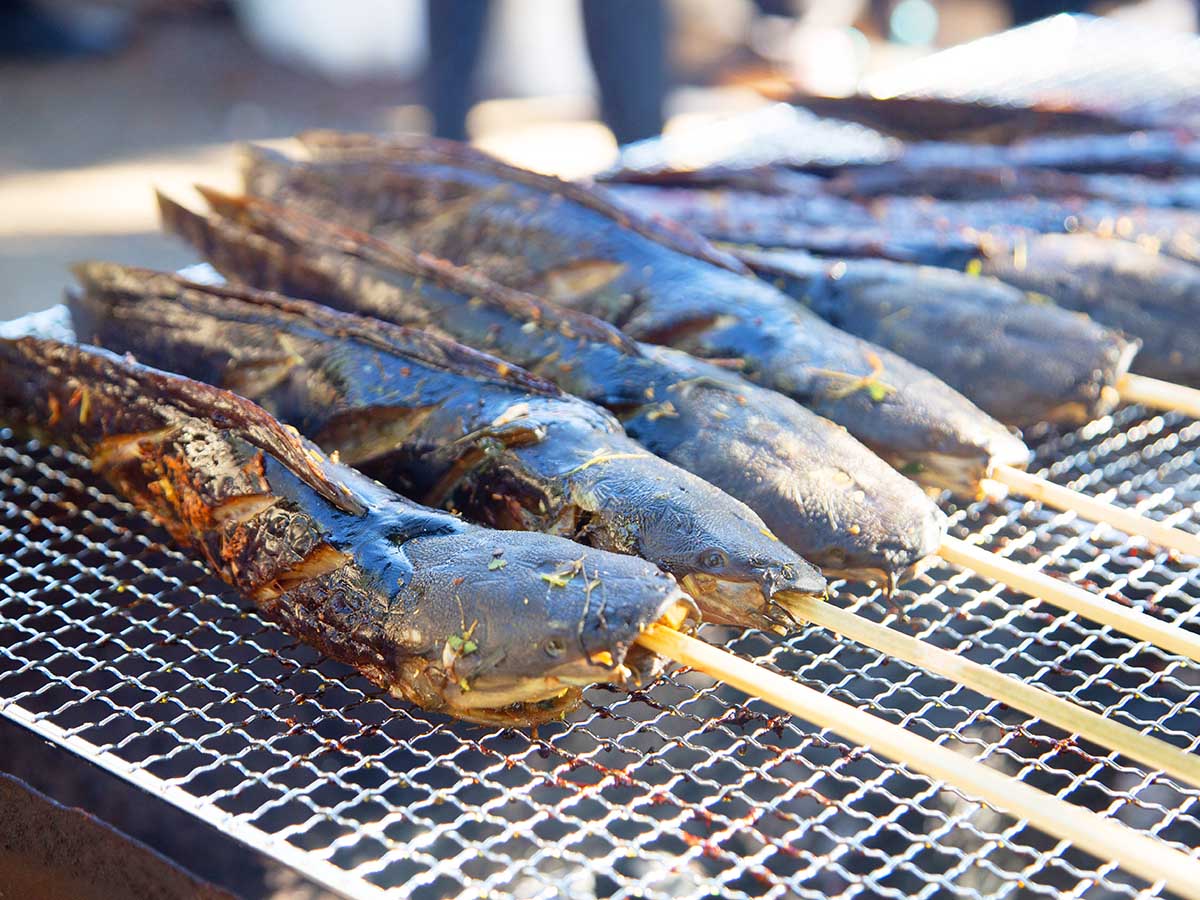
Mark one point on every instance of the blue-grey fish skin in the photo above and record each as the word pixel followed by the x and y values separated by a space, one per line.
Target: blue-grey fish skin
pixel 1012 183
pixel 1096 257
pixel 942 118
pixel 821 491
pixel 408 595
pixel 1121 284
pixel 1021 359
pixel 534 234
pixel 453 427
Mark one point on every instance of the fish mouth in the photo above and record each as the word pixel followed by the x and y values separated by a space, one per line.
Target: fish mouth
pixel 961 475
pixel 745 603
pixel 533 700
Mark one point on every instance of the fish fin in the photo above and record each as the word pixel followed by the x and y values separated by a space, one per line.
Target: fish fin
pixel 305 233
pixel 580 278
pixel 368 432
pixel 327 146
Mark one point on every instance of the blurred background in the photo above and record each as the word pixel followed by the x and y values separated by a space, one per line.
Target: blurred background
pixel 101 101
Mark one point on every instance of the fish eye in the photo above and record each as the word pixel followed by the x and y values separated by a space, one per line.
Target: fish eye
pixel 713 559
pixel 554 647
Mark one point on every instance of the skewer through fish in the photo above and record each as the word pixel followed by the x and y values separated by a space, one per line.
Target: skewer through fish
pixel 409 596
pixel 817 488
pixel 229 334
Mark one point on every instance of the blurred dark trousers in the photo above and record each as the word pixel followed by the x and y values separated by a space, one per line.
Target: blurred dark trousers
pixel 1026 11
pixel 626 40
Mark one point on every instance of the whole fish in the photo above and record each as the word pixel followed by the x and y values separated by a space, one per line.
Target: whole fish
pixel 1006 182
pixel 532 233
pixel 1022 360
pixel 1120 284
pixel 822 492
pixel 452 427
pixel 410 597
pixel 786 138
pixel 943 118
pixel 811 220
pixel 1173 232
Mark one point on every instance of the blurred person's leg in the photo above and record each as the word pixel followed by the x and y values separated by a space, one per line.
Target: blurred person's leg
pixel 1026 11
pixel 27 30
pixel 456 31
pixel 627 41
pixel 785 8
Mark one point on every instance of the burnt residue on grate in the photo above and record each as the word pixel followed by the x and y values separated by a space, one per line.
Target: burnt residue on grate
pixel 123 649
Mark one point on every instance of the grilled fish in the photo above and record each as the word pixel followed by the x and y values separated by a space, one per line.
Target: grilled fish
pixel 811 220
pixel 1118 283
pixel 943 118
pixel 453 427
pixel 1005 182
pixel 822 492
pixel 534 233
pixel 1021 360
pixel 411 597
pixel 1159 153
pixel 1174 232
pixel 1115 281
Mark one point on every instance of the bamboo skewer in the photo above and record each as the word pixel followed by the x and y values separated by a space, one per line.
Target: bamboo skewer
pixel 1094 510
pixel 1072 598
pixel 1152 752
pixel 1104 838
pixel 1159 394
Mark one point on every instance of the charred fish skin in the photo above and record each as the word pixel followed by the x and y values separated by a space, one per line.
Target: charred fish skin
pixel 945 119
pixel 1172 232
pixel 813 221
pixel 1120 284
pixel 816 487
pixel 367 577
pixel 456 427
pixel 1010 183
pixel 525 234
pixel 1021 361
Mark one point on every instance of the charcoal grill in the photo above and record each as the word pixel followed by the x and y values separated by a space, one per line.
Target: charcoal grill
pixel 124 651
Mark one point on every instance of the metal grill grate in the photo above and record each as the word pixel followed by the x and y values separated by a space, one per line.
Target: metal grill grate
pixel 124 651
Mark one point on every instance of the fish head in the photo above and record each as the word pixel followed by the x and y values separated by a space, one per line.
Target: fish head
pixel 860 519
pixel 719 549
pixel 521 622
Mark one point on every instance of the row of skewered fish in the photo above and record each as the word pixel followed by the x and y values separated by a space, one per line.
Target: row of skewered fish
pixel 1105 224
pixel 570 421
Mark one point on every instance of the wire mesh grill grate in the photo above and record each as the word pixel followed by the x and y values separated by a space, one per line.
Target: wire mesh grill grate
pixel 123 650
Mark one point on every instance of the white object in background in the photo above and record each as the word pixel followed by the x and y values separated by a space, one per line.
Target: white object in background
pixel 355 39
pixel 535 48
pixel 53 323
